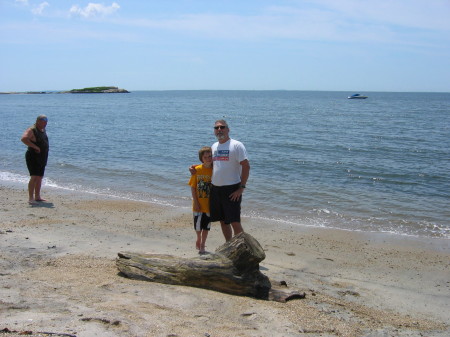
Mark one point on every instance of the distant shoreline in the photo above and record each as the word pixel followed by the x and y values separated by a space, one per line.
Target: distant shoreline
pixel 90 90
pixel 28 92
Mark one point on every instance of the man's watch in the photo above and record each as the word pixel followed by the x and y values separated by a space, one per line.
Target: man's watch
pixel 242 186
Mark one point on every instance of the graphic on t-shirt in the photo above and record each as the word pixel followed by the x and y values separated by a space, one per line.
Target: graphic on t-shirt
pixel 222 155
pixel 203 186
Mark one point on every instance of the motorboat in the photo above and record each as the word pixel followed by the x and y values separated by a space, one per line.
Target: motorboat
pixel 357 96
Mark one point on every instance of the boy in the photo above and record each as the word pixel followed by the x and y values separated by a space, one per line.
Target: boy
pixel 200 183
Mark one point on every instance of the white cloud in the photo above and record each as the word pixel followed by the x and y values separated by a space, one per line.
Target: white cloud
pixel 403 13
pixel 92 10
pixel 320 20
pixel 40 8
pixel 35 9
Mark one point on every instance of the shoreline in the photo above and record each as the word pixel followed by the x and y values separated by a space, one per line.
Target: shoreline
pixel 184 202
pixel 58 274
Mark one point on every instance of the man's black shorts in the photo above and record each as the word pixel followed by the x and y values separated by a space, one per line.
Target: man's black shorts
pixel 221 207
pixel 34 164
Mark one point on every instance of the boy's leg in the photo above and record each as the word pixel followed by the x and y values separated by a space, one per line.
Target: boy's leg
pixel 204 237
pixel 202 246
pixel 199 239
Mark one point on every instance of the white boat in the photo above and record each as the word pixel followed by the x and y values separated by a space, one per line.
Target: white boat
pixel 357 96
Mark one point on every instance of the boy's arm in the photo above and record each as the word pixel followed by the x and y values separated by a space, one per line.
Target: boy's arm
pixel 196 206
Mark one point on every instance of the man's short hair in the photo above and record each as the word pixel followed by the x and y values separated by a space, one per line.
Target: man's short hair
pixel 222 121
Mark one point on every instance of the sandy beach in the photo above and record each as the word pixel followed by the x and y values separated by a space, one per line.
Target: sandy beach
pixel 58 275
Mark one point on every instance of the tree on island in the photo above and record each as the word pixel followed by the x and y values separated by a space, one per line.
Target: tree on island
pixel 97 90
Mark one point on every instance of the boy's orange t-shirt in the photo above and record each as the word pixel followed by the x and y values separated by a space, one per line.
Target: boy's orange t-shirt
pixel 201 180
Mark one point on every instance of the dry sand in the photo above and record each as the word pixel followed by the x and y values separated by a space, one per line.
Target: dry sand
pixel 58 276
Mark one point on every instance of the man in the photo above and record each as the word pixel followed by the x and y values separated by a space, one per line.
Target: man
pixel 231 170
pixel 35 137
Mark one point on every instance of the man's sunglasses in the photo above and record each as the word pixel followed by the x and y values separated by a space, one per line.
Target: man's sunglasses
pixel 221 127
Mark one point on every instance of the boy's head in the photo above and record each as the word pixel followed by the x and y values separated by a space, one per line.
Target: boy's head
pixel 204 150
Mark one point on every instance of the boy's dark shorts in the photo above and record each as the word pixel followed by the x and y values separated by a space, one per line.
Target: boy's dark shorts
pixel 220 205
pixel 202 221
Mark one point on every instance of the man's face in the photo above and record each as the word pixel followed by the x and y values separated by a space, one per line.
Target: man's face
pixel 221 131
pixel 41 123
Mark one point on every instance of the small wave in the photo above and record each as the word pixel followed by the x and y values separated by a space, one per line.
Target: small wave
pixel 14 178
pixel 68 166
pixel 325 218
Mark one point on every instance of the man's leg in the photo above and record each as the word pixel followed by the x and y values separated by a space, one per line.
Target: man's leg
pixel 31 188
pixel 37 188
pixel 237 227
pixel 227 231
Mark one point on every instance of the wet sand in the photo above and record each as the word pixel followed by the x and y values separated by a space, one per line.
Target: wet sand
pixel 58 275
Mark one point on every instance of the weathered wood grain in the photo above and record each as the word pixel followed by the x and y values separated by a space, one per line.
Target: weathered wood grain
pixel 232 269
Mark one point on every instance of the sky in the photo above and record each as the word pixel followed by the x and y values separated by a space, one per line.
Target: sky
pixel 330 45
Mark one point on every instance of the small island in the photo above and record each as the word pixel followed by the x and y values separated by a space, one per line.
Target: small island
pixel 96 90
pixel 91 90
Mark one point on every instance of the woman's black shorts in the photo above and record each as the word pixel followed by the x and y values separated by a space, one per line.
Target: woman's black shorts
pixel 34 164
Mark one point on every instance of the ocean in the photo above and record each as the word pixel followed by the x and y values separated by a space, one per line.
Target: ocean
pixel 317 158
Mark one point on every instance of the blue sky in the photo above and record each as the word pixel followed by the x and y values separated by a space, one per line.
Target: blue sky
pixel 343 45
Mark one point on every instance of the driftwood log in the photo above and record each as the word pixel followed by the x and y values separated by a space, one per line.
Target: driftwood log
pixel 232 269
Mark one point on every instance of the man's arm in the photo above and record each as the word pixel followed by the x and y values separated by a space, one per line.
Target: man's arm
pixel 245 171
pixel 28 138
pixel 245 164
pixel 192 169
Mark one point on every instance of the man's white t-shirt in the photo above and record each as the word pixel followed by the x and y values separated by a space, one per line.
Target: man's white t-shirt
pixel 227 159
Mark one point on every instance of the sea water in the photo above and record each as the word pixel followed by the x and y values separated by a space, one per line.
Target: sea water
pixel 317 158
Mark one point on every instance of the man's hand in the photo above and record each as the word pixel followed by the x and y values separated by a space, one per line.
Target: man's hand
pixel 236 194
pixel 192 170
